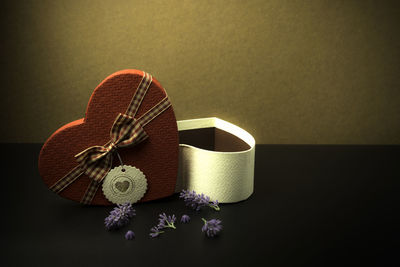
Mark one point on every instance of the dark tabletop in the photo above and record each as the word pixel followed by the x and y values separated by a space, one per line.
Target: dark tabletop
pixel 313 205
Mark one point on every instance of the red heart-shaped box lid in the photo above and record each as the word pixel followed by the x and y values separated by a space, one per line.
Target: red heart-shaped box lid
pixel 156 157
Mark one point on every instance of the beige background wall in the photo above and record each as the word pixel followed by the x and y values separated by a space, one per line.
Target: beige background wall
pixel 287 71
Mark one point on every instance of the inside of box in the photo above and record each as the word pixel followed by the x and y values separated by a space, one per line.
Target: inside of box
pixel 213 139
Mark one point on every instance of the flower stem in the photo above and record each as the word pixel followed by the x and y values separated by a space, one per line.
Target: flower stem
pixel 171 225
pixel 204 220
pixel 214 207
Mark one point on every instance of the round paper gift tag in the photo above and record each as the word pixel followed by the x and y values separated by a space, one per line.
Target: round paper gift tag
pixel 124 184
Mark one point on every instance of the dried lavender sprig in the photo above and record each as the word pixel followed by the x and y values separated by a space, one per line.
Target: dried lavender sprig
pixel 211 227
pixel 155 231
pixel 165 221
pixel 119 216
pixel 197 201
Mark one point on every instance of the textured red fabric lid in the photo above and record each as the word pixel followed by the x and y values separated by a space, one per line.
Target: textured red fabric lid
pixel 156 157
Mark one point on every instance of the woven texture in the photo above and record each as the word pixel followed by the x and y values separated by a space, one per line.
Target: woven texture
pixel 157 156
pixel 224 176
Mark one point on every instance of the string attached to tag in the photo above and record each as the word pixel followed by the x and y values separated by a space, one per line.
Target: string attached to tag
pixel 120 160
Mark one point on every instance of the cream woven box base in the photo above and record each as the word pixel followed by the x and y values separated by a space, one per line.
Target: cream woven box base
pixel 225 176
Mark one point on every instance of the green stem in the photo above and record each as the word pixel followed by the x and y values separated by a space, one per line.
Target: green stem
pixel 171 225
pixel 214 207
pixel 204 220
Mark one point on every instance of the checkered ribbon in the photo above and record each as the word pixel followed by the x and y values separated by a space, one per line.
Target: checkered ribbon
pixel 96 161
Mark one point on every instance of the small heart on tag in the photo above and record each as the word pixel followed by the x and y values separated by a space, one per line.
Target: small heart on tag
pixel 122 186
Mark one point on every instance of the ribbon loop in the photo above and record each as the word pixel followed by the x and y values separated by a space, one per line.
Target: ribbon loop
pixel 90 155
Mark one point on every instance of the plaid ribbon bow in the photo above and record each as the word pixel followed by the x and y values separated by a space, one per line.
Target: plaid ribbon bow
pixel 96 161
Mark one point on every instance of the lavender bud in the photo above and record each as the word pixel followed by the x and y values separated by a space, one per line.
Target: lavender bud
pixel 129 235
pixel 155 231
pixel 211 227
pixel 119 216
pixel 185 218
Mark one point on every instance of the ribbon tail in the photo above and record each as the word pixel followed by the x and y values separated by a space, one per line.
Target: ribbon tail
pixel 97 175
pixel 90 192
pixel 68 179
pixel 97 170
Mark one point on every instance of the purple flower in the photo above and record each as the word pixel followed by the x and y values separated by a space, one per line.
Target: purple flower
pixel 185 218
pixel 211 227
pixel 129 235
pixel 165 221
pixel 197 201
pixel 119 216
pixel 155 231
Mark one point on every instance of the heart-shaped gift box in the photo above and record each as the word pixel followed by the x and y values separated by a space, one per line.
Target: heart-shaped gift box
pixel 156 156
